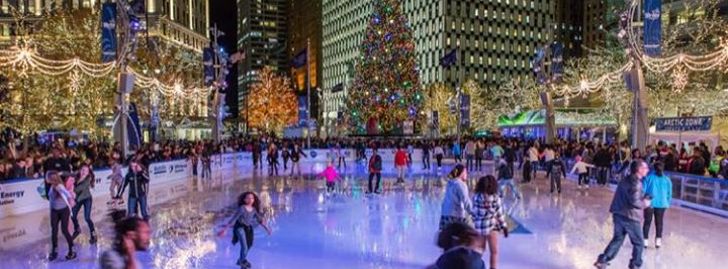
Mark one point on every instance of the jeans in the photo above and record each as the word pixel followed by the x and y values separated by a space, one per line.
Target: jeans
pixel 245 237
pixel 378 175
pixel 132 206
pixel 426 161
pixel 479 162
pixel 556 182
pixel 207 171
pixel 469 160
pixel 602 175
pixel 503 183
pixel 438 157
pixel 624 226
pixel 60 215
pixel 659 214
pixel 534 168
pixel 342 159
pixel 584 178
pixel 87 204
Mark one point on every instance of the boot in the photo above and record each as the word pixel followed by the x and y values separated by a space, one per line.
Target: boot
pixel 658 242
pixel 71 255
pixel 647 243
pixel 76 233
pixel 53 255
pixel 93 238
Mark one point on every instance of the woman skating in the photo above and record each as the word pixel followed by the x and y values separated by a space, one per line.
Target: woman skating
pixel 488 216
pixel 61 200
pixel 248 217
pixel 456 204
pixel 659 187
pixel 85 182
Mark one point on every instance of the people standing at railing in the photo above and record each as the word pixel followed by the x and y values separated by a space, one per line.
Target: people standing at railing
pixel 138 182
pixel 696 164
pixel 658 186
pixel 714 166
pixel 82 187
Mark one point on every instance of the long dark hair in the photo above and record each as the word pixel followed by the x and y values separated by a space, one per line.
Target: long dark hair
pixel 456 234
pixel 456 171
pixel 487 185
pixel 91 176
pixel 256 200
pixel 659 168
pixel 123 225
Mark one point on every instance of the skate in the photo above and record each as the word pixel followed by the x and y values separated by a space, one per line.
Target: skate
pixel 71 255
pixel 52 256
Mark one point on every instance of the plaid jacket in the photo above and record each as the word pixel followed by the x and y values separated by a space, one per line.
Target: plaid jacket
pixel 488 213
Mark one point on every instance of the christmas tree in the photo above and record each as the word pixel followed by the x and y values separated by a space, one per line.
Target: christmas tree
pixel 386 90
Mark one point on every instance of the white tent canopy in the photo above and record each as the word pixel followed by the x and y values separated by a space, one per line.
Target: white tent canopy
pixel 710 139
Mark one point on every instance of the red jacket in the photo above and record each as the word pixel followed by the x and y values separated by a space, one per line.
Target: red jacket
pixel 400 158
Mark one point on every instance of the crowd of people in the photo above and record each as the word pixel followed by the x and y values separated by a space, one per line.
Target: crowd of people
pixel 67 168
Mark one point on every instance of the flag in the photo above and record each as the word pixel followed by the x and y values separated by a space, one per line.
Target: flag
pixel 300 59
pixel 557 61
pixel 108 32
pixel 465 110
pixel 208 67
pixel 302 110
pixel 449 59
pixel 236 57
pixel 133 128
pixel 653 27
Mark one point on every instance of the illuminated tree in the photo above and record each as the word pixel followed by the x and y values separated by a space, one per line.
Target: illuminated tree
pixel 513 96
pixel 273 103
pixel 437 98
pixel 386 89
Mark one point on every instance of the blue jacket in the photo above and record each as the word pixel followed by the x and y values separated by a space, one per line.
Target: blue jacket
pixel 660 189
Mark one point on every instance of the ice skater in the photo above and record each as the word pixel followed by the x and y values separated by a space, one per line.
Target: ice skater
pixel 117 178
pixel 86 181
pixel 582 168
pixel 557 171
pixel 330 175
pixel 138 183
pixel 456 205
pixel 132 235
pixel 659 187
pixel 505 180
pixel 247 217
pixel 375 170
pixel 462 248
pixel 400 162
pixel 61 201
pixel 626 208
pixel 488 216
pixel 296 154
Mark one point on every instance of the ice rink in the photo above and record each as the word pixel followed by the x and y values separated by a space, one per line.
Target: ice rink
pixel 350 229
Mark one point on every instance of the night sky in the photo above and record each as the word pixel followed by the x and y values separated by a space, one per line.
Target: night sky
pixel 223 13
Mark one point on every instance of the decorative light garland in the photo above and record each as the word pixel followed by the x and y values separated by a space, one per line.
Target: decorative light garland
pixel 26 59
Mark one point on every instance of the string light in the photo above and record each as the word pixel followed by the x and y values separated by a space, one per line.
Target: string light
pixel 26 60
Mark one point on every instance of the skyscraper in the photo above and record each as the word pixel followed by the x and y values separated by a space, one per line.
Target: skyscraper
pixel 495 39
pixel 262 35
pixel 304 29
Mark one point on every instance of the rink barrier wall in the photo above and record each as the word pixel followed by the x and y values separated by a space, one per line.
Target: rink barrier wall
pixel 21 196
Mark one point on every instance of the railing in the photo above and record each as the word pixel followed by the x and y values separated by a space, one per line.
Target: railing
pixel 701 193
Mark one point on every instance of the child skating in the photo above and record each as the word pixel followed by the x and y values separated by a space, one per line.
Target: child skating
pixel 247 217
pixel 330 174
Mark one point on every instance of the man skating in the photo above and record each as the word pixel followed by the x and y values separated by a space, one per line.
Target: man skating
pixel 627 207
